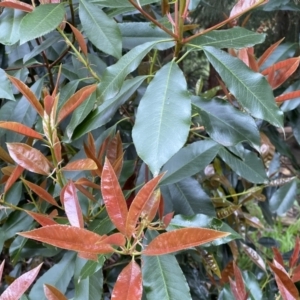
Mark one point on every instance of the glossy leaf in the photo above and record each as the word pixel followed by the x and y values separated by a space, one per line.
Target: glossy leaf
pixel 162 276
pixel 43 220
pixel 286 286
pixel 295 256
pixel 268 52
pixel 187 197
pixel 29 158
pixel 70 238
pixel 101 30
pixel 80 165
pixel 283 199
pixel 250 167
pixel 20 285
pixel 41 192
pixel 80 39
pixel 129 283
pixel 244 5
pixel 236 37
pixel 139 204
pixel 75 100
pixel 103 113
pixel 28 94
pixel 180 239
pixel 85 192
pixel 203 221
pixel 250 89
pixel 33 25
pixel 22 129
pixel 115 148
pixel 222 127
pixel 239 283
pixel 189 160
pixel 53 293
pixel 15 175
pixel 114 76
pixel 10 20
pixel 113 197
pixel 71 204
pixel 165 100
pixel 16 5
pixel 287 96
pixel 282 71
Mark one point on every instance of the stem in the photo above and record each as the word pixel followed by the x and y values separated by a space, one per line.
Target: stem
pixel 150 18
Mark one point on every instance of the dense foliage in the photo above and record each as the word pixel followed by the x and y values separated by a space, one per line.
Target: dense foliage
pixel 149 150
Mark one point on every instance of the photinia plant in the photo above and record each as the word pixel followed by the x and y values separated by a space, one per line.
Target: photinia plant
pixel 119 173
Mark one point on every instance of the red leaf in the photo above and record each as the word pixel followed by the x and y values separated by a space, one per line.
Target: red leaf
pixel 41 192
pixel 85 192
pixel 16 5
pixel 91 143
pixel 287 96
pixel 48 104
pixel 43 220
pixel 29 158
pixel 20 285
pixel 89 256
pixel 139 204
pixel 168 218
pixel 80 39
pixel 161 208
pixel 118 164
pixel 70 238
pixel 245 5
pixel 296 274
pixel 115 148
pixel 1 270
pixel 268 52
pixel 27 93
pixel 20 128
pixel 86 182
pixel 75 100
pixel 89 153
pixel 281 71
pixel 239 282
pixel 113 197
pixel 295 256
pixel 150 210
pixel 53 293
pixel 80 165
pixel 68 197
pixel 15 175
pixel 278 256
pixel 227 272
pixel 116 239
pixel 286 286
pixel 180 239
pixel 129 283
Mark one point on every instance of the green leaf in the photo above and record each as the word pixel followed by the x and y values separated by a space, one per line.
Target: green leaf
pixel 163 117
pixel 189 160
pixel 51 40
pixel 250 167
pixel 10 20
pixel 188 198
pixel 236 37
pixel 200 220
pixel 282 200
pixel 5 87
pixel 90 268
pixel 101 30
pixel 103 113
pixel 133 35
pixel 162 276
pixel 42 20
pixel 251 89
pixel 59 276
pixel 114 76
pixel 225 124
pixel 80 113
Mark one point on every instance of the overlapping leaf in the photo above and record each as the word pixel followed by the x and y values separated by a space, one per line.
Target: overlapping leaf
pixel 101 30
pixel 53 293
pixel 129 283
pixel 42 20
pixel 29 158
pixel 164 103
pixel 250 89
pixel 20 128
